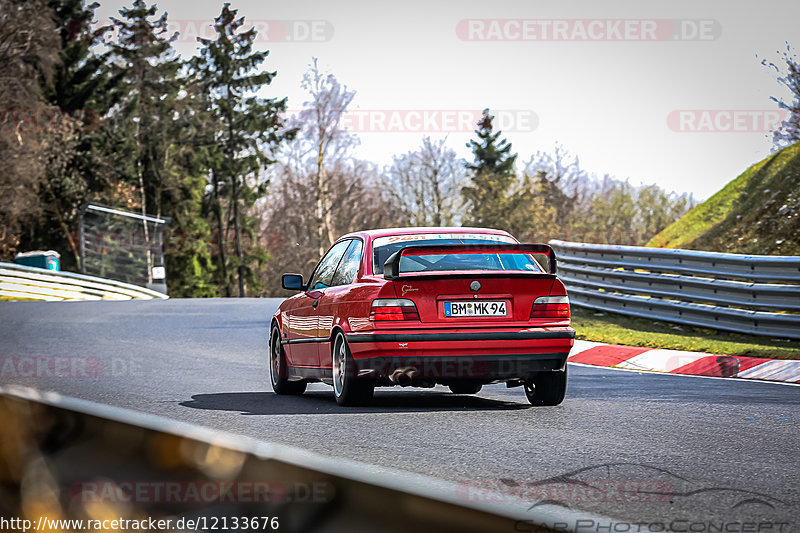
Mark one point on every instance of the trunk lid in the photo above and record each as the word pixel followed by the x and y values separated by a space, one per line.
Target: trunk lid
pixel 450 299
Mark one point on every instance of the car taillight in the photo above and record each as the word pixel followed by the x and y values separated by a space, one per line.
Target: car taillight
pixel 550 307
pixel 393 309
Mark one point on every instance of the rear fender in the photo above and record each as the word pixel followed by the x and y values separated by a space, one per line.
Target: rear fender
pixel 340 325
pixel 558 288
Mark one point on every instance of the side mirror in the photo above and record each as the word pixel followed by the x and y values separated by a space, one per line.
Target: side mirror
pixel 293 282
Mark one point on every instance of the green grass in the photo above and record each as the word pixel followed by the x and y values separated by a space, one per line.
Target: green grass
pixel 756 213
pixel 618 329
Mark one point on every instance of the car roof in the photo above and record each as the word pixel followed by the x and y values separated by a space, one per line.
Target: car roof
pixel 384 232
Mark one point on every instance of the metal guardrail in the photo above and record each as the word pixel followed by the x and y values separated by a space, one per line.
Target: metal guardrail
pixel 72 459
pixel 754 294
pixel 30 283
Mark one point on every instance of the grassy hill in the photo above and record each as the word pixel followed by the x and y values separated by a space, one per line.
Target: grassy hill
pixel 756 213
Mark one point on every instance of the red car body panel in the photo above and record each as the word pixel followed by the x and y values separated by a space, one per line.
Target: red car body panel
pixel 480 348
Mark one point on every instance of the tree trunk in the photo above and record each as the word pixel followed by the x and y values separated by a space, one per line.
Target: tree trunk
pixel 148 256
pixel 220 235
pixel 137 134
pixel 237 232
pixel 73 246
pixel 323 213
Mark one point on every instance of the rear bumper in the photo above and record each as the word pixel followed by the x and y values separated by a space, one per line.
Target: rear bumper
pixel 446 369
pixel 449 355
pixel 541 335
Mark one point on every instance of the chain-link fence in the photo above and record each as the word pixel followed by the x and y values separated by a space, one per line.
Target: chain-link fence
pixel 123 246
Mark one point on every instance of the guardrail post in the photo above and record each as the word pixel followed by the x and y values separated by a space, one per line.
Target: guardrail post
pixel 82 236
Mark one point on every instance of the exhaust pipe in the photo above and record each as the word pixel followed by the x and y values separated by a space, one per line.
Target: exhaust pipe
pixel 403 376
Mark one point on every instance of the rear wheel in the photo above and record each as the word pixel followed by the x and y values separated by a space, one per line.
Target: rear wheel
pixel 548 388
pixel 278 369
pixel 348 389
pixel 465 387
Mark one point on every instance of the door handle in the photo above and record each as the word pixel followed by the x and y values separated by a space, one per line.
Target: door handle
pixel 315 303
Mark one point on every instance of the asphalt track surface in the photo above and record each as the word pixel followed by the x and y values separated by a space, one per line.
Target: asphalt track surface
pixel 693 454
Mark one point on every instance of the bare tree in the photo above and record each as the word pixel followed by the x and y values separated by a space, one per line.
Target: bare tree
pixel 427 182
pixel 290 222
pixel 559 172
pixel 317 190
pixel 571 204
pixel 789 76
pixel 322 136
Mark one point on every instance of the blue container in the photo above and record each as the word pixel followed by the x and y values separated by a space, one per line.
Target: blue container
pixel 48 260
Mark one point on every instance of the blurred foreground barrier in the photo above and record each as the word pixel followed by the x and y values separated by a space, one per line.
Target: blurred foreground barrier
pixel 754 294
pixel 63 458
pixel 30 283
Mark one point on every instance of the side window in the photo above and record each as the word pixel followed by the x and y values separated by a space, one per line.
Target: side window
pixel 348 267
pixel 323 274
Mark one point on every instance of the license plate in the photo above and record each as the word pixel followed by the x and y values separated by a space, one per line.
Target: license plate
pixel 475 308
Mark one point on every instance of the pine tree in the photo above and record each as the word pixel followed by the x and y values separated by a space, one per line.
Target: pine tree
pixel 249 129
pixel 488 197
pixel 80 93
pixel 82 84
pixel 152 127
pixel 146 124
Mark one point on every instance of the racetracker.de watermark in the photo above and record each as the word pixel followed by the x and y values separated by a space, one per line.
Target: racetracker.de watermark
pixel 594 236
pixel 567 492
pixel 68 367
pixel 203 492
pixel 430 120
pixel 726 120
pixel 591 30
pixel 267 31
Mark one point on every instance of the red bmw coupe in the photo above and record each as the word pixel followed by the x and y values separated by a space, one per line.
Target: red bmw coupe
pixel 460 307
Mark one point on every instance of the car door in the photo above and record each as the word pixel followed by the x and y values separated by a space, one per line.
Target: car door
pixel 303 324
pixel 336 296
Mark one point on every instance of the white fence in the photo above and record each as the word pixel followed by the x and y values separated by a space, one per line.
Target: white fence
pixel 29 283
pixel 754 294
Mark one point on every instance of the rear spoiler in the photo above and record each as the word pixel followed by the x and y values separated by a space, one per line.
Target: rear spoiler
pixel 391 268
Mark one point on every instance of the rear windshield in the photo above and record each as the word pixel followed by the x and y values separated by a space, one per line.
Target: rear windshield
pixel 450 262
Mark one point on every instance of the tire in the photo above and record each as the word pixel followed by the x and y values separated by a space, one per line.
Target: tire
pixel 548 388
pixel 347 388
pixel 465 387
pixel 277 368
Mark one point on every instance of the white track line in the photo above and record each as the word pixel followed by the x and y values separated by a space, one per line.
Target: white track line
pixel 682 375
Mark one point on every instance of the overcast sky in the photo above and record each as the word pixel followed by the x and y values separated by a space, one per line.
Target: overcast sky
pixel 621 84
